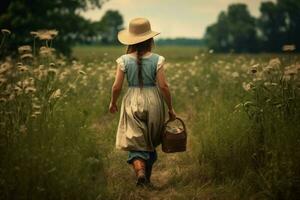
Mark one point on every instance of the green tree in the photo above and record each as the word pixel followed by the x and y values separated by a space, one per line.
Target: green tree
pixel 217 35
pixel 109 26
pixel 291 11
pixel 234 31
pixel 273 27
pixel 278 24
pixel 22 16
pixel 242 28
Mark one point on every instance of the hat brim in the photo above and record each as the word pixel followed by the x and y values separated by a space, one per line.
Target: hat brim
pixel 128 39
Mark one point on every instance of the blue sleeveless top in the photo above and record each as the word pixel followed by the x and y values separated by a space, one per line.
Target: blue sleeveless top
pixel 150 65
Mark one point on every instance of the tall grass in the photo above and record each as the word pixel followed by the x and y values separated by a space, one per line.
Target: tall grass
pixel 47 149
pixel 57 138
pixel 244 113
pixel 251 137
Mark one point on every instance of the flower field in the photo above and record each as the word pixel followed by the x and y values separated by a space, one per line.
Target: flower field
pixel 57 137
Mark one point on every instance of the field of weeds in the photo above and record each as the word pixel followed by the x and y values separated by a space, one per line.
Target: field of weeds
pixel 57 136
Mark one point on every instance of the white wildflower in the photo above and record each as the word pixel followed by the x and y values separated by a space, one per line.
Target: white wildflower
pixel 73 86
pixel 2 100
pixel 289 47
pixel 291 70
pixel 254 68
pixel 35 106
pixel 238 106
pixel 56 94
pixel 267 83
pixel 235 74
pixel 23 129
pixel 25 49
pixel 53 33
pixel 46 34
pixel 247 86
pixel 5 31
pixel 27 56
pixel 37 113
pixel 5 67
pixel 274 63
pixel 34 33
pixel 52 71
pixel 46 51
pixel 12 96
pixel 30 90
pixel 17 89
pixel 22 68
pixel 82 72
pixel 2 81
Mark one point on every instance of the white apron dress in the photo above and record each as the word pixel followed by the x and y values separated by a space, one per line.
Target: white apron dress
pixel 142 112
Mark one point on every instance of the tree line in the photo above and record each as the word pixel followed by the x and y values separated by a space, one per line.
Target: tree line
pixel 24 17
pixel 237 31
pixel 180 41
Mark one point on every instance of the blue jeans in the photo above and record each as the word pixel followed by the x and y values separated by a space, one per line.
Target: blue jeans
pixel 149 156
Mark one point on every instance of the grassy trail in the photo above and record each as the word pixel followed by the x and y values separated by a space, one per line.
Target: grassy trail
pixel 172 174
pixel 235 108
pixel 241 112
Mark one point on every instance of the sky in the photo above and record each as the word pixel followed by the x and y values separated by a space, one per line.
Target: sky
pixel 173 18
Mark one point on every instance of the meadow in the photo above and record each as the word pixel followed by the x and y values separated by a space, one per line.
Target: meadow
pixel 241 111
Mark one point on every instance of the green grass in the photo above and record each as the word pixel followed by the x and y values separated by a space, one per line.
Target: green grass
pixel 242 144
pixel 237 148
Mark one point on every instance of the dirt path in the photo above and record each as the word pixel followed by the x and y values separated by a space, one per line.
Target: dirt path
pixel 175 176
pixel 163 176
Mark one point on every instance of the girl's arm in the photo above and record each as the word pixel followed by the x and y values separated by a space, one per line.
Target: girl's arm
pixel 164 87
pixel 116 90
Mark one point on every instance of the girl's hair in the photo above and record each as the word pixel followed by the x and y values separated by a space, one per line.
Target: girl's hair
pixel 141 48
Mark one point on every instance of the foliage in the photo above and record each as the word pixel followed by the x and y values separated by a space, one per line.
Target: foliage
pixel 109 26
pixel 21 17
pixel 242 114
pixel 271 23
pixel 241 110
pixel 249 126
pixel 181 41
pixel 238 31
pixel 279 24
pixel 47 148
pixel 234 31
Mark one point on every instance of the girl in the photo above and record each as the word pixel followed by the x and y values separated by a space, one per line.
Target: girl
pixel 142 111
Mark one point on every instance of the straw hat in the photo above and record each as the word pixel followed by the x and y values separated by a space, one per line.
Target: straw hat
pixel 139 30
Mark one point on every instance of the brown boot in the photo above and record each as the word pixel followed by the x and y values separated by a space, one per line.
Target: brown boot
pixel 148 172
pixel 139 167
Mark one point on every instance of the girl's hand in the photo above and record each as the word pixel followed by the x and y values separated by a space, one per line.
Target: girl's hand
pixel 172 115
pixel 113 108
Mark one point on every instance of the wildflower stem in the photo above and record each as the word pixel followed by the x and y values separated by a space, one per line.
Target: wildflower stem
pixel 66 91
pixel 33 46
pixel 2 41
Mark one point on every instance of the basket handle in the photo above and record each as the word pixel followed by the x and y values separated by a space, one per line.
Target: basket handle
pixel 179 119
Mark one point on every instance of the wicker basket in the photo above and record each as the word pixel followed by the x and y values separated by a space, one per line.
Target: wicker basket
pixel 174 139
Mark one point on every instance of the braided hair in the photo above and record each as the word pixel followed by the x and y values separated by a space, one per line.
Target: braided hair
pixel 140 48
